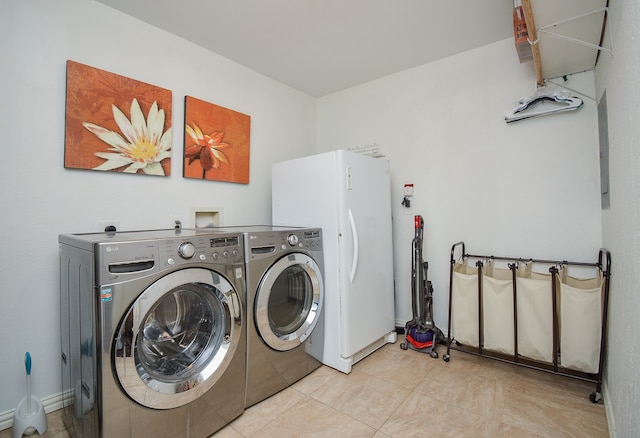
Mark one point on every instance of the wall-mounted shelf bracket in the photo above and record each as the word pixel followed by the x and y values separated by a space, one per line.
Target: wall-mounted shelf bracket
pixel 576 23
pixel 545 30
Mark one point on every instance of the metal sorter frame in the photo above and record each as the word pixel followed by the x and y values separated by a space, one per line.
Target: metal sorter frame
pixel 554 367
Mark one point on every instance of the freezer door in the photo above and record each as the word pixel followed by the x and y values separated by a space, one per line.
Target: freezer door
pixel 366 251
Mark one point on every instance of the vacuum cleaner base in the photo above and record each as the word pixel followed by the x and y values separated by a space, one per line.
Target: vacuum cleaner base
pixel 424 341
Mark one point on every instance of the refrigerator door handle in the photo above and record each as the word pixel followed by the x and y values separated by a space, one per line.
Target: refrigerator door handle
pixel 354 233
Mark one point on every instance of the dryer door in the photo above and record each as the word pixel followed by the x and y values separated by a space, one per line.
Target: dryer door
pixel 288 301
pixel 177 338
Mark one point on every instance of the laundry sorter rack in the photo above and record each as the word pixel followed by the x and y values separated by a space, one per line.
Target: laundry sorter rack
pixel 510 309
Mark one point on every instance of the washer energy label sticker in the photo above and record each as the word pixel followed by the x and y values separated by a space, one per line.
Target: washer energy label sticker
pixel 106 294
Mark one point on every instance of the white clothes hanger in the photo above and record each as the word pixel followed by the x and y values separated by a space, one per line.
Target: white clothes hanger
pixel 562 101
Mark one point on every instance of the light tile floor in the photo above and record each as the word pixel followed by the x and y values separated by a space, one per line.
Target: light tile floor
pixel 396 393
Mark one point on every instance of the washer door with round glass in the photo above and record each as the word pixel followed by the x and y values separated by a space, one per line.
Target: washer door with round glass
pixel 177 338
pixel 288 301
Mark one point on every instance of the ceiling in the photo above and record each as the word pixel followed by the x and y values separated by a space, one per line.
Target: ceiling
pixel 323 46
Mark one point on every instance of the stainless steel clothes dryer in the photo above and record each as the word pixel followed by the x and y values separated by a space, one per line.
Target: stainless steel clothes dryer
pixel 153 333
pixel 285 295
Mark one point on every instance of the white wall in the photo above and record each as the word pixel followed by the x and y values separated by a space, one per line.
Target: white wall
pixel 618 75
pixel 40 199
pixel 526 189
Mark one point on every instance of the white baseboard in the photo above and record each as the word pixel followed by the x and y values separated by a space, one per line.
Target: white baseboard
pixel 608 409
pixel 50 404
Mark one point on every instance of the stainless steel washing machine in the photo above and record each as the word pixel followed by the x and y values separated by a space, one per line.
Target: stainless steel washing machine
pixel 153 332
pixel 285 295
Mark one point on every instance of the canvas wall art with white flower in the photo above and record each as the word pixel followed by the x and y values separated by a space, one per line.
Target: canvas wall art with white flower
pixel 216 142
pixel 114 123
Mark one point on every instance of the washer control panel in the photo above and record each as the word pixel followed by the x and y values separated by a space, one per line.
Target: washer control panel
pixel 210 248
pixel 131 255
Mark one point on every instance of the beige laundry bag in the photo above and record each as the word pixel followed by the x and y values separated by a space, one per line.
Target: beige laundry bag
pixel 497 309
pixel 464 304
pixel 580 322
pixel 535 314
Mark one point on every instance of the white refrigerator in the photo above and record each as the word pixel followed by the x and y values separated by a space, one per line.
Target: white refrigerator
pixel 348 195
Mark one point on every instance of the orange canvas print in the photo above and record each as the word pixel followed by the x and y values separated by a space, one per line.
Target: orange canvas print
pixel 116 124
pixel 216 142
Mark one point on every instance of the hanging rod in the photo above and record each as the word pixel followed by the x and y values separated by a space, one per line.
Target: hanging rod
pixel 604 256
pixel 522 259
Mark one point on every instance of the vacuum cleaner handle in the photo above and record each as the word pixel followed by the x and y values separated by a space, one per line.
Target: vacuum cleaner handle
pixel 418 223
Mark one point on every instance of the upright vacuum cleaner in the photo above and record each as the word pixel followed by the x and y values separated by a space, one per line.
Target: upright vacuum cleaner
pixel 421 333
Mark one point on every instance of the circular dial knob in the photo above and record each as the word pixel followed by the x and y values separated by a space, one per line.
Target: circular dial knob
pixel 292 239
pixel 186 250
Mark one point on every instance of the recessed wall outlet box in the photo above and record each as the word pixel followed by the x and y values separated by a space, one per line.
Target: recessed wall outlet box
pixel 206 217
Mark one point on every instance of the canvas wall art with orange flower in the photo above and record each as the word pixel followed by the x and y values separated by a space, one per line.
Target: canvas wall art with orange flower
pixel 114 123
pixel 216 142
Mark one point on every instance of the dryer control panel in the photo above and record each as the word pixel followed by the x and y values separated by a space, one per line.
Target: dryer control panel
pixel 265 244
pixel 309 239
